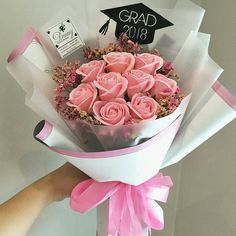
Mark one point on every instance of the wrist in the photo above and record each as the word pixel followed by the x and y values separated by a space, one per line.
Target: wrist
pixel 45 190
pixel 63 180
pixel 57 185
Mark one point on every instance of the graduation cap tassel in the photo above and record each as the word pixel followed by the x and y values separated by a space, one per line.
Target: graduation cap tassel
pixel 104 28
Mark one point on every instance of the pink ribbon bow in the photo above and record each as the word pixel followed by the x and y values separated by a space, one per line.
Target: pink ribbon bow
pixel 131 208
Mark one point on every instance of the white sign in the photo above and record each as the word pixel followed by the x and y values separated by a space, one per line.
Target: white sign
pixel 65 38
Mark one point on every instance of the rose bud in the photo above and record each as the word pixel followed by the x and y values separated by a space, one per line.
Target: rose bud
pixel 83 97
pixel 163 86
pixel 90 70
pixel 119 62
pixel 143 107
pixel 138 82
pixel 111 85
pixel 115 112
pixel 148 63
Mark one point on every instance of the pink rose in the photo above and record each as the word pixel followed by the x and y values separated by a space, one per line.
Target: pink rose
pixel 83 97
pixel 143 107
pixel 115 112
pixel 111 85
pixel 90 70
pixel 119 62
pixel 148 63
pixel 163 86
pixel 138 82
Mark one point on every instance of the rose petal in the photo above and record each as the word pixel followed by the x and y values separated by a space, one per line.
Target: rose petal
pixel 100 87
pixel 83 97
pixel 143 107
pixel 138 82
pixel 115 112
pixel 90 70
pixel 80 72
pixel 138 88
pixel 117 67
pixel 111 85
pixel 111 94
pixel 136 113
pixel 149 63
pixel 97 106
pixel 91 76
pixel 163 86
pixel 139 62
pixel 119 61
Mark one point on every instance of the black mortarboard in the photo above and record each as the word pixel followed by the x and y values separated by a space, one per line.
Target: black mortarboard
pixel 138 21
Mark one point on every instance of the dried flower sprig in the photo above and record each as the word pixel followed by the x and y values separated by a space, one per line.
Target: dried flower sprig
pixel 127 45
pixel 67 79
pixel 168 67
pixel 66 71
pixel 123 44
pixel 168 70
pixel 169 104
pixel 71 113
pixel 155 52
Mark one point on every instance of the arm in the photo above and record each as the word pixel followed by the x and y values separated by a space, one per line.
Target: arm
pixel 19 213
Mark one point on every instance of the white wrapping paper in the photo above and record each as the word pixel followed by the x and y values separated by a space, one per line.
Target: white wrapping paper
pixel 133 165
pixel 216 110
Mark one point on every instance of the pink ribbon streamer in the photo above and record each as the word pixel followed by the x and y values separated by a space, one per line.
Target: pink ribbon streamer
pixel 131 208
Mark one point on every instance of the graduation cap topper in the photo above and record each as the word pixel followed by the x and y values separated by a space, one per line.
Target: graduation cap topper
pixel 138 21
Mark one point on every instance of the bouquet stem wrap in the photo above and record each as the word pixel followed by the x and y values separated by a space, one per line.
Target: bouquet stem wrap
pixel 131 208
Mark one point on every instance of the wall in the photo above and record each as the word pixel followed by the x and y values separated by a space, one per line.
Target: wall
pixel 207 195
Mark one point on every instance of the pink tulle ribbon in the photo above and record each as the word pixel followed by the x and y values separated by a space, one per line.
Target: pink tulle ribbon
pixel 131 208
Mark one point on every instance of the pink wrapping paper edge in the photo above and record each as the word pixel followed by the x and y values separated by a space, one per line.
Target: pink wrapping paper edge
pixel 47 129
pixel 22 45
pixel 45 132
pixel 225 94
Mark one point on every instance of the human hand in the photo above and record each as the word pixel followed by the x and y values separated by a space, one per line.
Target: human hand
pixel 58 184
pixel 22 209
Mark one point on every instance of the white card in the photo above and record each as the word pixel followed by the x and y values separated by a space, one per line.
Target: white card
pixel 65 37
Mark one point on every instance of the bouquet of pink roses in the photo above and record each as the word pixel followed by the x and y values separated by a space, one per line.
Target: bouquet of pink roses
pixel 117 99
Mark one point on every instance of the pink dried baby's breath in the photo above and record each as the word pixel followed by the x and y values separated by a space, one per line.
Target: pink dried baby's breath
pixel 169 104
pixel 67 79
pixel 155 52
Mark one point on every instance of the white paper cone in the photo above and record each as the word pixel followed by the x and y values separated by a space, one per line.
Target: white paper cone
pixel 215 112
pixel 54 136
pixel 197 71
pixel 133 165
